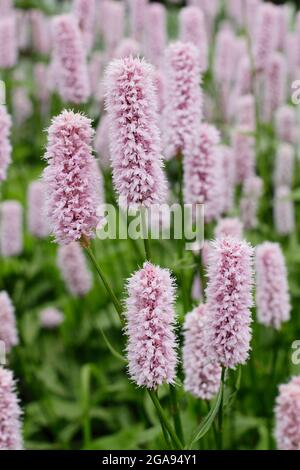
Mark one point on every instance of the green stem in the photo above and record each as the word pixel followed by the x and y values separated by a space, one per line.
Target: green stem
pixel 164 419
pixel 220 412
pixel 144 223
pixel 106 283
pixel 176 413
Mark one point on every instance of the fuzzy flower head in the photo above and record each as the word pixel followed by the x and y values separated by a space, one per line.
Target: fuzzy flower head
pixel 113 26
pixel 70 178
pixel 37 220
pixel 229 300
pixel 151 348
pixel 50 318
pixel 287 415
pixel 229 227
pixel 228 165
pixel 272 294
pixel 285 120
pixel 128 47
pixel 203 175
pixel 8 42
pixel 266 35
pixel 137 10
pixel 183 110
pixel 135 145
pixel 10 413
pixel 284 211
pixel 243 146
pixel 5 146
pixel 245 110
pixel 85 11
pixel 155 33
pixel 74 269
pixel 70 60
pixel 202 374
pixel 40 32
pixel 8 329
pixel 284 166
pixel 192 29
pixel 275 84
pixel 11 228
pixel 101 142
pixel 252 191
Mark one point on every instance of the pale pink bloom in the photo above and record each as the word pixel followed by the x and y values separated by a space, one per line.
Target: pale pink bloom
pixel 275 81
pixel 37 220
pixel 113 26
pixel 150 314
pixel 40 72
pixel 70 60
pixel 203 173
pixel 287 415
pixel 229 299
pixel 284 211
pixel 70 179
pixel 284 165
pixel 197 294
pixel 8 42
pixel 272 292
pixel 5 146
pixel 23 28
pixel 291 54
pixel 10 413
pixel 285 119
pixel 40 30
pixel 74 269
pixel 138 18
pixel 243 146
pixel 205 253
pixel 6 7
pixel 251 7
pixel 155 33
pixel 183 110
pixel 202 374
pixel 243 82
pixel 22 105
pixel 192 29
pixel 266 36
pixel 245 112
pixel 85 12
pixel 160 85
pixel 8 328
pixel 135 146
pixel 95 68
pixel 101 142
pixel 224 64
pixel 127 47
pixel 51 318
pixel 229 227
pixel 228 165
pixel 252 191
pixel 283 26
pixel 11 228
pixel 236 10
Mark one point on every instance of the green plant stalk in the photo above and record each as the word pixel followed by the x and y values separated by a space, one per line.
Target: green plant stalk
pixel 176 413
pixel 85 390
pixel 106 283
pixel 163 418
pixel 146 240
pixel 220 412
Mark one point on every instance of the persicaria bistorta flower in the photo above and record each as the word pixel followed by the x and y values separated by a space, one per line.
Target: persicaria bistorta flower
pixel 40 31
pixel 38 223
pixel 284 166
pixel 135 145
pixel 272 294
pixel 151 348
pixel 202 374
pixel 287 415
pixel 229 299
pixel 8 329
pixel 126 48
pixel 155 33
pixel 203 175
pixel 70 60
pixel 284 211
pixel 50 318
pixel 266 35
pixel 137 9
pixel 85 11
pixel 183 110
pixel 193 29
pixel 74 270
pixel 8 41
pixel 5 146
pixel 285 119
pixel 10 413
pixel 70 179
pixel 275 84
pixel 11 228
pixel 252 191
pixel 229 227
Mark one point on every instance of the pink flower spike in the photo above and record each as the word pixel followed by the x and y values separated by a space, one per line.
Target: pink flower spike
pixel 151 348
pixel 50 318
pixel 41 34
pixel 272 294
pixel 11 228
pixel 202 374
pixel 38 223
pixel 155 33
pixel 183 110
pixel 192 29
pixel 229 227
pixel 10 413
pixel 275 85
pixel 266 35
pixel 284 211
pixel 229 300
pixel 70 60
pixel 74 270
pixel 135 145
pixel 8 42
pixel 285 165
pixel 70 179
pixel 252 191
pixel 126 48
pixel 285 120
pixel 287 415
pixel 137 11
pixel 85 12
pixel 5 146
pixel 8 329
